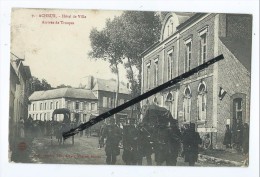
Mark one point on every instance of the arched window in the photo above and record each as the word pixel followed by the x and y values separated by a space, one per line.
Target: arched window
pixel 155 100
pixel 169 102
pixel 201 101
pixel 186 104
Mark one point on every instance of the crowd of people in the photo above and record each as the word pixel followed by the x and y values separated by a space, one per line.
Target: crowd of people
pixel 238 137
pixel 141 141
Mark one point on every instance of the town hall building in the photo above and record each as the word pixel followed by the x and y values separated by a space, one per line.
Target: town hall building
pixel 216 96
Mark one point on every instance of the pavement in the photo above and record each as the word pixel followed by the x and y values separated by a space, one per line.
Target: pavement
pixel 228 156
pixel 85 151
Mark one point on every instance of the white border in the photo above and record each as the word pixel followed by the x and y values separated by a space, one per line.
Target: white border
pixel 32 170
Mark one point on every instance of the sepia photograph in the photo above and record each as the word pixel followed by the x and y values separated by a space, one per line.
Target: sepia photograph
pixel 68 66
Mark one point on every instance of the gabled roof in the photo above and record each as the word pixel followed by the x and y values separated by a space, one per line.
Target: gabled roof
pixel 184 19
pixel 62 93
pixel 240 48
pixel 110 86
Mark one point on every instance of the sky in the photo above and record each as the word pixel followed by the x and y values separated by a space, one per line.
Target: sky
pixel 59 52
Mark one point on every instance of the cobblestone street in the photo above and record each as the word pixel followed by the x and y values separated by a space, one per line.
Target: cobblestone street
pixel 84 151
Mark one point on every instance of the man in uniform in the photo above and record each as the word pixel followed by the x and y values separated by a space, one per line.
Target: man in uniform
pixel 131 144
pixel 113 135
pixel 191 140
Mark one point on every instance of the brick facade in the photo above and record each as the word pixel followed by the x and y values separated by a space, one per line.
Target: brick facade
pixel 185 98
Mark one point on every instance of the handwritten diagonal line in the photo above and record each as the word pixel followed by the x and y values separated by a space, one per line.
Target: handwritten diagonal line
pixel 135 100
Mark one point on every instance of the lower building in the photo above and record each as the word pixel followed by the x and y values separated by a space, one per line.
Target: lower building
pixel 82 104
pixel 105 91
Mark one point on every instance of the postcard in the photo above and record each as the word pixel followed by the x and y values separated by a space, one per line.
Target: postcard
pixel 68 66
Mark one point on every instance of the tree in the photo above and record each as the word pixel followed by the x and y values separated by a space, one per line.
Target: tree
pixel 140 31
pixel 37 85
pixel 63 86
pixel 107 45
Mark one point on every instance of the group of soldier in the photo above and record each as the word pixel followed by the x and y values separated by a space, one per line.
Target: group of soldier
pixel 237 137
pixel 141 141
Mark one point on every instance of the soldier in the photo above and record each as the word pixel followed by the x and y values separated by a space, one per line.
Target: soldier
pixel 131 144
pixel 145 141
pixel 227 137
pixel 28 126
pixel 21 124
pixel 101 131
pixel 112 133
pixel 191 140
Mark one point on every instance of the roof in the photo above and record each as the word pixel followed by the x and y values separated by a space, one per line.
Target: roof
pixel 189 20
pixel 185 18
pixel 110 86
pixel 240 48
pixel 62 93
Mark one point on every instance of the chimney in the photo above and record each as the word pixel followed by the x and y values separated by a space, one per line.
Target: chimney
pixel 89 84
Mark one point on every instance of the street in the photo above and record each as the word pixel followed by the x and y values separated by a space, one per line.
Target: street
pixel 84 151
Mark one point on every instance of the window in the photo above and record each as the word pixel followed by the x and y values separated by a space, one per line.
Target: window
pixel 68 104
pixel 45 116
pixel 186 104
pixel 155 101
pixel 109 102
pixel 168 102
pixel 33 107
pixel 170 64
pixel 84 117
pixel 187 56
pixel 203 48
pixel 237 103
pixel 156 72
pixel 93 106
pixel 40 106
pixel 45 106
pixel 77 105
pixel 57 105
pixel 121 101
pixel 201 101
pixel 36 117
pixel 171 27
pixel 148 75
pixel 112 102
pixel 85 106
pixel 51 105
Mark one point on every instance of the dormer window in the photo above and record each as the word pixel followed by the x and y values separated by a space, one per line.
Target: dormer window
pixel 170 27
